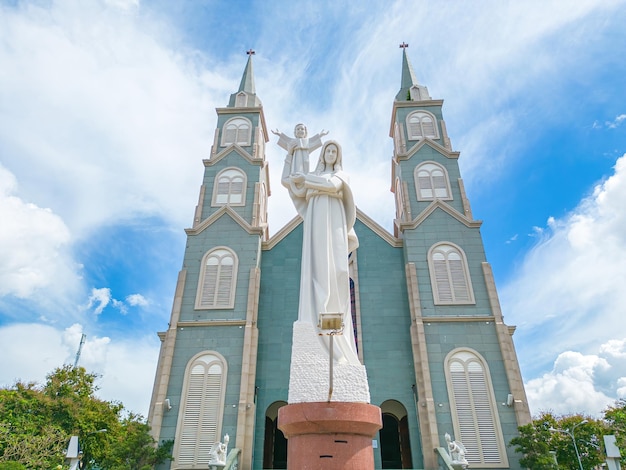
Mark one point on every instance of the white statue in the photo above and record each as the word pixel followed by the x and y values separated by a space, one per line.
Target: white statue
pixel 218 452
pixel 457 453
pixel 299 147
pixel 324 200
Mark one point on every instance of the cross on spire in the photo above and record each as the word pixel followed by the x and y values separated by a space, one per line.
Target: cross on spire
pixel 404 45
pixel 250 52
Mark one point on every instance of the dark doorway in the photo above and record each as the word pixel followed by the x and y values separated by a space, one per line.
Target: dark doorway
pixel 395 442
pixel 390 442
pixel 275 445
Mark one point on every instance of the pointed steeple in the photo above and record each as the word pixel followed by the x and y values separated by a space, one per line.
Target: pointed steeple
pixel 245 97
pixel 410 90
pixel 247 80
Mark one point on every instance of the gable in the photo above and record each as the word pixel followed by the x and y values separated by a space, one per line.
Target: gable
pixel 224 211
pixel 432 149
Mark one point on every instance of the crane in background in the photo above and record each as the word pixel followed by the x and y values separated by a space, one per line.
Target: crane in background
pixel 80 348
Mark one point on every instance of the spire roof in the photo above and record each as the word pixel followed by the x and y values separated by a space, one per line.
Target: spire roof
pixel 246 86
pixel 410 89
pixel 247 80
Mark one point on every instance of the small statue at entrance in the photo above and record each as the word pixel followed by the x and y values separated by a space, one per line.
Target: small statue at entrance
pixel 456 450
pixel 217 454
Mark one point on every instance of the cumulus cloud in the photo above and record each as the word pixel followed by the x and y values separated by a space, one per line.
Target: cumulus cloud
pixel 581 383
pixel 115 110
pixel 35 256
pixel 570 292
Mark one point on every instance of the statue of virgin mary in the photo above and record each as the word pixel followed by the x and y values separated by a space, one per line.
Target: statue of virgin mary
pixel 324 201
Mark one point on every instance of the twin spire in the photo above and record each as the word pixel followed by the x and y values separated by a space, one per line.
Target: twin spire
pixel 410 89
pixel 246 94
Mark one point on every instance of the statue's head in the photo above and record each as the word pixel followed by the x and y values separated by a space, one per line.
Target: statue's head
pixel 300 131
pixel 330 157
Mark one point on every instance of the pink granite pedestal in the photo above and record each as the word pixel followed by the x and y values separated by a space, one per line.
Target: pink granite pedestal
pixel 330 435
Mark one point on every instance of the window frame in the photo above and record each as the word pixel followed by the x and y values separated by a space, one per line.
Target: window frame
pixel 237 122
pixel 216 305
pixel 420 113
pixel 418 189
pixel 192 448
pixel 479 411
pixel 229 195
pixel 435 273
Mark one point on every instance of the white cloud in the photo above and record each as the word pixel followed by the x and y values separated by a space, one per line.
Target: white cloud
pixel 115 110
pixel 35 259
pixel 616 122
pixel 581 383
pixel 137 300
pixel 569 292
pixel 99 299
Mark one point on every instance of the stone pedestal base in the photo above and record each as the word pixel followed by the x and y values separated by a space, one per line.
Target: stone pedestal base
pixel 309 373
pixel 329 436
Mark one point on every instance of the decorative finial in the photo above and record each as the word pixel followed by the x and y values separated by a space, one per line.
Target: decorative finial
pixel 404 45
pixel 250 52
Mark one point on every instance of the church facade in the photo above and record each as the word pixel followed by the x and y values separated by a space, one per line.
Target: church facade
pixel 426 315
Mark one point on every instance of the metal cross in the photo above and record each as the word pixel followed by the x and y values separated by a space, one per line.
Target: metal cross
pixel 250 52
pixel 404 45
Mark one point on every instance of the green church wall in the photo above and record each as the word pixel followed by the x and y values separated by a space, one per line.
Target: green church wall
pixel 236 160
pixel 480 336
pixel 190 341
pixel 228 233
pixel 442 227
pixel 278 310
pixel 424 154
pixel 385 325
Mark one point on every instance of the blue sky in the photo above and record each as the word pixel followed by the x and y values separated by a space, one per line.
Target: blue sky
pixel 107 110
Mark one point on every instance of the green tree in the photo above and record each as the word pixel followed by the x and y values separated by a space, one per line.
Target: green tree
pixel 550 436
pixel 615 417
pixel 533 442
pixel 36 423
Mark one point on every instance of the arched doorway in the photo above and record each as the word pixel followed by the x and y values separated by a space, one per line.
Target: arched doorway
pixel 395 444
pixel 275 444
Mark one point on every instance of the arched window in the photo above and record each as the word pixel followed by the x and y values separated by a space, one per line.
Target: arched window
pixel 202 407
pixel 431 182
pixel 421 124
pixel 236 131
pixel 449 275
pixel 230 187
pixel 475 416
pixel 218 277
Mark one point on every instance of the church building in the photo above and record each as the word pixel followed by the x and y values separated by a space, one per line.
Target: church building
pixel 427 320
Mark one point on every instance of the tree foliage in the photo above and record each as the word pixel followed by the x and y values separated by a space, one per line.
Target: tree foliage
pixel 36 423
pixel 550 439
